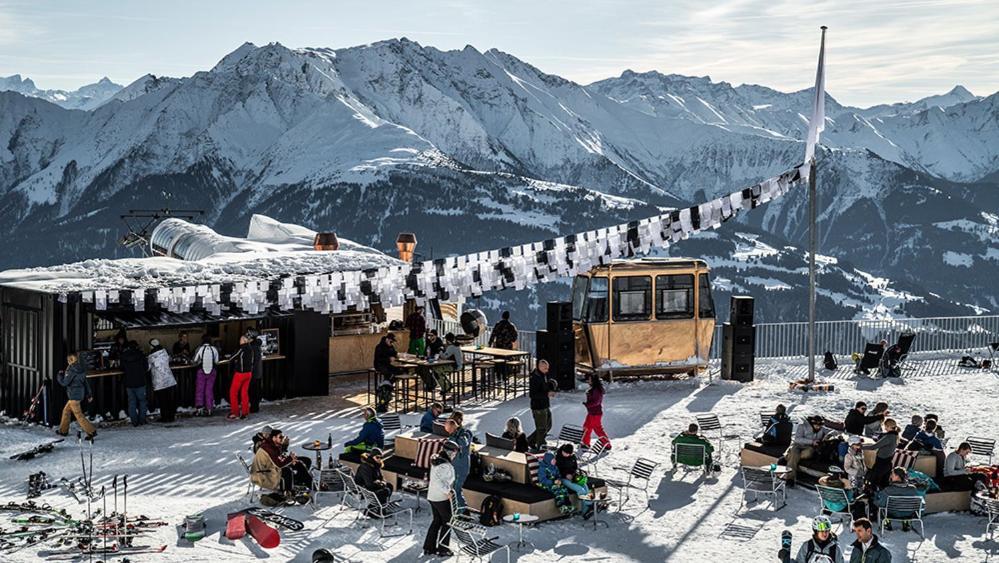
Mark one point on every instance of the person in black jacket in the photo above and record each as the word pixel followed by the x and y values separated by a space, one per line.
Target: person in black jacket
pixel 134 366
pixel 857 419
pixel 239 389
pixel 256 381
pixel 779 429
pixel 369 475
pixel 540 390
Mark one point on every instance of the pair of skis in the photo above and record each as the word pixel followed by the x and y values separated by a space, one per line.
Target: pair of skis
pixel 39 449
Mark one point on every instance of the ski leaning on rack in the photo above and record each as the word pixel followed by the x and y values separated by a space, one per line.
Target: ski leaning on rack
pixel 39 449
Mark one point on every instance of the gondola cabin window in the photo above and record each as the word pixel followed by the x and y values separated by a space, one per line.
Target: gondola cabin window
pixel 632 298
pixel 596 301
pixel 706 303
pixel 579 287
pixel 675 296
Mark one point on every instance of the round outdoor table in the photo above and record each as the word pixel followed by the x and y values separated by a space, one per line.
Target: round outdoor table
pixel 520 522
pixel 777 470
pixel 322 447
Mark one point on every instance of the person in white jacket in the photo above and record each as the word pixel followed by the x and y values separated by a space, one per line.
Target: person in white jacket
pixel 853 463
pixel 439 495
pixel 163 380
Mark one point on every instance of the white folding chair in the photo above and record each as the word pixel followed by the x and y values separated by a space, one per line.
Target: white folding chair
pixel 471 539
pixel 383 511
pixel 641 471
pixel 764 483
pixel 912 506
pixel 984 447
pixel 992 512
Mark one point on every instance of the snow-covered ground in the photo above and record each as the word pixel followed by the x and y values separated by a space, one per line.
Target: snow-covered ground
pixel 191 467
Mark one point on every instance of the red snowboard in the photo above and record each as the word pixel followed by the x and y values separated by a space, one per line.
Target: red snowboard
pixel 267 536
pixel 235 528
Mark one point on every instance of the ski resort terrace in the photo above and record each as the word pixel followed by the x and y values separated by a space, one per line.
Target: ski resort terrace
pixel 191 466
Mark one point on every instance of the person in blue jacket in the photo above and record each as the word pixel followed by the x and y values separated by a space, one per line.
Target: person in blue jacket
pixel 550 479
pixel 462 463
pixel 372 434
pixel 427 422
pixel 74 379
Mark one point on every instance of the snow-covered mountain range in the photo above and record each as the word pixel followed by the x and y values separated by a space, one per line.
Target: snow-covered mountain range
pixel 85 97
pixel 476 150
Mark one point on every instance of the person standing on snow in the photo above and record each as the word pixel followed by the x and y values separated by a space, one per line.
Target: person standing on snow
pixel 164 383
pixel 204 388
pixel 595 413
pixel 135 367
pixel 239 389
pixel 74 379
pixel 823 547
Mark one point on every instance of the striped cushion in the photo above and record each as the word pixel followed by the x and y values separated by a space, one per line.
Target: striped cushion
pixel 426 450
pixel 533 462
pixel 904 459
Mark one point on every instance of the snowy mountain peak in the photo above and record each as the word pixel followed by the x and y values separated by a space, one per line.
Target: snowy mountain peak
pixel 86 97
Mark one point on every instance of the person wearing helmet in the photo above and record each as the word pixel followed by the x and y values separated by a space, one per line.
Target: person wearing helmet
pixel 823 547
pixel 439 495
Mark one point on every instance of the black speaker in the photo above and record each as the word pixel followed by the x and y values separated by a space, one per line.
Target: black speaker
pixel 738 352
pixel 542 349
pixel 559 317
pixel 741 311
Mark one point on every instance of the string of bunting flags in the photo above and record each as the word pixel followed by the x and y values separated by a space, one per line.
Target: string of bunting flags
pixel 469 275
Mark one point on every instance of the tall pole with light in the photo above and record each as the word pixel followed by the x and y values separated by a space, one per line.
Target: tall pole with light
pixel 815 126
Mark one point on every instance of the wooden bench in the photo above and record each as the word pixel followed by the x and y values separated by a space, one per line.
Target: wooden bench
pixel 755 454
pixel 519 495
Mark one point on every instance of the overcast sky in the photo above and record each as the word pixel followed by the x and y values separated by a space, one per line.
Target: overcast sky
pixel 877 51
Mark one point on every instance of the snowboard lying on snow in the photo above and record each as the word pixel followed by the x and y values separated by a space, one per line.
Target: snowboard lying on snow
pixel 241 523
pixel 39 449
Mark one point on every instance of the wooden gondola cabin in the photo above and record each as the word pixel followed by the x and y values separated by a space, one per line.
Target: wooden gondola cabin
pixel 645 316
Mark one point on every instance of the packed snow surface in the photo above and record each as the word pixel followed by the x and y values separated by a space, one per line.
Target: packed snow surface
pixel 191 467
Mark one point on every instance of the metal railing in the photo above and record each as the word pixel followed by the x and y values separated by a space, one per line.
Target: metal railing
pixel 787 340
pixel 526 339
pixel 933 334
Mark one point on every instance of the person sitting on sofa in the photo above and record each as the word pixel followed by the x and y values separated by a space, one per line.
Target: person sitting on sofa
pixel 857 419
pixel 516 433
pixel 808 435
pixel 550 480
pixel 372 434
pixel 911 429
pixel 572 478
pixel 956 476
pixel 779 429
pixel 431 414
pixel 691 437
pixel 899 486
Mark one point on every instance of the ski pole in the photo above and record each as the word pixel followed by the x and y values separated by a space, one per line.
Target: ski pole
pixel 105 499
pixel 124 508
pixel 114 485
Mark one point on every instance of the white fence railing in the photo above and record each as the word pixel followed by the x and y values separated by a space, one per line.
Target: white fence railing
pixel 783 340
pixel 526 339
pixel 779 340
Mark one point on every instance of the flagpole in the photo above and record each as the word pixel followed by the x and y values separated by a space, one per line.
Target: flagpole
pixel 812 237
pixel 812 206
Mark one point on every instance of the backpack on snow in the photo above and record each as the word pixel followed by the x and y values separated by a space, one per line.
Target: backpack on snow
pixel 491 511
pixel 829 361
pixel 968 362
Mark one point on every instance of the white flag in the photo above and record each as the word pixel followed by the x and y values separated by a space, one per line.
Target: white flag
pixel 818 121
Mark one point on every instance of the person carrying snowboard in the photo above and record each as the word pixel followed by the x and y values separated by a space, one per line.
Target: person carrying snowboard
pixel 823 547
pixel 74 379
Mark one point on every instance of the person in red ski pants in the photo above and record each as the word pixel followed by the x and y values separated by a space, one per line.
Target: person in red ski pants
pixel 594 412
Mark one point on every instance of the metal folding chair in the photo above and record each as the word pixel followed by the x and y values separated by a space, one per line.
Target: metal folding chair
pixel 913 506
